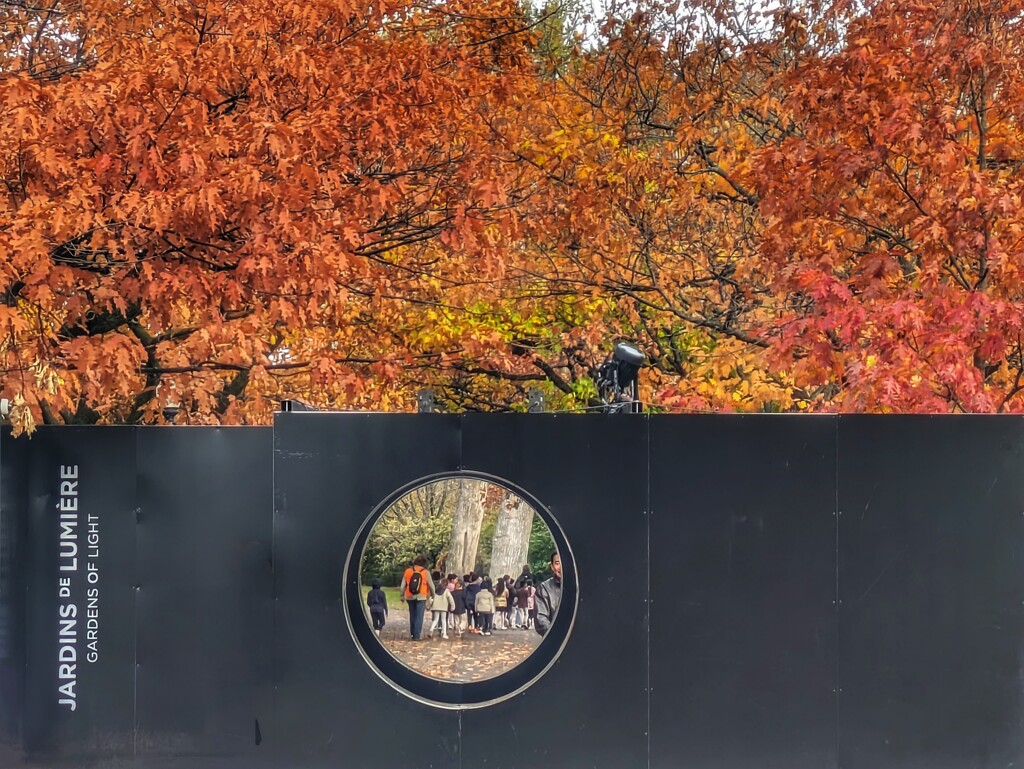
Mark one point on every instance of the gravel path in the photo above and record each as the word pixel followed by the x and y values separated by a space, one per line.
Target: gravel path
pixel 469 658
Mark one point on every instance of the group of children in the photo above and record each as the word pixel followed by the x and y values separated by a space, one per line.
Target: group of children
pixel 472 604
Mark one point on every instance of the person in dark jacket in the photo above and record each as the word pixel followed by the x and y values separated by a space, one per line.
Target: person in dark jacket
pixel 472 588
pixel 525 577
pixel 459 612
pixel 548 596
pixel 378 605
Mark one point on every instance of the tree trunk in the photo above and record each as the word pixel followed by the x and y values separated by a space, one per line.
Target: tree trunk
pixel 469 517
pixel 510 547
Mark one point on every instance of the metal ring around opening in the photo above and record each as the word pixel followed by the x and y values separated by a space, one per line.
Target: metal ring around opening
pixel 447 694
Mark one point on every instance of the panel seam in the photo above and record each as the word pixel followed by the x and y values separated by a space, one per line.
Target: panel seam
pixel 650 513
pixel 135 607
pixel 836 516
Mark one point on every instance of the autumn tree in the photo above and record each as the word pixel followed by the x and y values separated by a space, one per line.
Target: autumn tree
pixel 799 206
pixel 649 231
pixel 893 217
pixel 208 206
pixel 817 207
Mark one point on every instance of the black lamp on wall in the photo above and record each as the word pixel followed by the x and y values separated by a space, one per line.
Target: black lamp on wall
pixel 618 380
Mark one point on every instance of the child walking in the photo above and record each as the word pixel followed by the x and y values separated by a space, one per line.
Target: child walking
pixel 441 605
pixel 452 579
pixel 523 606
pixel 378 605
pixel 472 588
pixel 500 604
pixel 485 607
pixel 459 612
pixel 532 604
pixel 510 603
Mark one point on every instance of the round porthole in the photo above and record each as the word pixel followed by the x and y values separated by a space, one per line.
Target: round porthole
pixel 460 590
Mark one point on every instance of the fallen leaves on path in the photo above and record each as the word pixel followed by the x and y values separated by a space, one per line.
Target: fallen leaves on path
pixel 460 660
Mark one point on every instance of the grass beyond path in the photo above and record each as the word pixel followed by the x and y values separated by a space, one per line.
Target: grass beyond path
pixel 391 593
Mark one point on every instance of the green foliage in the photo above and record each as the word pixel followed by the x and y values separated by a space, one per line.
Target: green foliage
pixel 584 389
pixel 483 551
pixel 392 594
pixel 542 544
pixel 396 541
pixel 418 523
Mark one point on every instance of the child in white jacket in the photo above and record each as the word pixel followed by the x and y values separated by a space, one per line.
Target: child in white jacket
pixel 439 608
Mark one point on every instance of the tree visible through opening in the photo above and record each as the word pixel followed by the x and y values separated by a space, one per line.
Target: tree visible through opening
pixel 484 551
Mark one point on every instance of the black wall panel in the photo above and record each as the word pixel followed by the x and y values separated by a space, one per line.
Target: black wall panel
pixel 590 708
pixel 932 585
pixel 754 591
pixel 205 606
pixel 13 500
pixel 101 724
pixel 743 625
pixel 330 708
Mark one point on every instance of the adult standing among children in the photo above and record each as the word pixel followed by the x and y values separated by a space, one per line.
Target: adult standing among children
pixel 548 596
pixel 416 590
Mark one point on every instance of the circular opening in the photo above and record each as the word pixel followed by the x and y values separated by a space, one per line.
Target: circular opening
pixel 460 590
